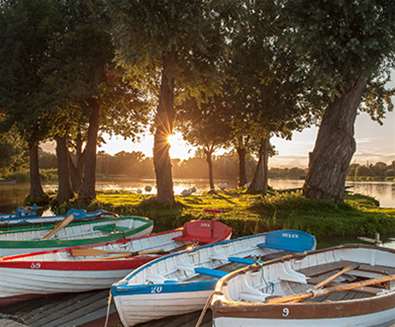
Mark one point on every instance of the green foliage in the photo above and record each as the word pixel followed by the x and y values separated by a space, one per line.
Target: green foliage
pixel 359 216
pixel 339 41
pixel 13 152
pixel 27 29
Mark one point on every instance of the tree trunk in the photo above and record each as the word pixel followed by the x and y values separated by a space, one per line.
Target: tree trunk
pixel 76 168
pixel 37 194
pixel 241 152
pixel 65 192
pixel 164 127
pixel 209 159
pixel 259 183
pixel 334 147
pixel 87 190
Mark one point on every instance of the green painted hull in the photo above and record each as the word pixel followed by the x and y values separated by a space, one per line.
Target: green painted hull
pixel 27 239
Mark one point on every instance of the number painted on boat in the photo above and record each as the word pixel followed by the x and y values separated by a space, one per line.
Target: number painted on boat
pixel 36 265
pixel 156 289
pixel 285 312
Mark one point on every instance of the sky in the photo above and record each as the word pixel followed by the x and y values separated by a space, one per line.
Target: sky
pixel 375 142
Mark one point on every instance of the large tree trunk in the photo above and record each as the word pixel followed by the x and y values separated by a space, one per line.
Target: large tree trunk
pixel 37 194
pixel 209 159
pixel 334 147
pixel 259 183
pixel 65 192
pixel 76 168
pixel 164 127
pixel 87 190
pixel 242 153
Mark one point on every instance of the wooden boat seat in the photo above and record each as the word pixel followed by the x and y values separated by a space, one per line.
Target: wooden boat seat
pixel 210 272
pixel 243 261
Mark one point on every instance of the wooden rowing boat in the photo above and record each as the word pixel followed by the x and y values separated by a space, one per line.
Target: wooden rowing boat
pixel 27 239
pixel 27 217
pixel 80 269
pixel 350 285
pixel 182 282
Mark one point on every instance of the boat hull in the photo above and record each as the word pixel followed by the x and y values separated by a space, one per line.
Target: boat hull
pixel 36 281
pixel 137 309
pixel 376 319
pixel 241 297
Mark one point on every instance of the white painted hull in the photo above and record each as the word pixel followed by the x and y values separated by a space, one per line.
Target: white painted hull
pixel 38 281
pixel 383 318
pixel 136 309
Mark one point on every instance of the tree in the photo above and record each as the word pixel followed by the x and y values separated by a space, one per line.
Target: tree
pixel 175 46
pixel 205 126
pixel 94 96
pixel 26 31
pixel 346 49
pixel 264 84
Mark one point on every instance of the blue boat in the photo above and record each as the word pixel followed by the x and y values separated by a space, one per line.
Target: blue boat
pixel 182 282
pixel 30 216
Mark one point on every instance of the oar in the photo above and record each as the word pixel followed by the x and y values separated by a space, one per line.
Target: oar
pixel 330 290
pixel 92 252
pixel 333 277
pixel 58 227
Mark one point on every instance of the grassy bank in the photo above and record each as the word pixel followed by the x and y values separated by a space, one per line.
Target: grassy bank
pixel 358 216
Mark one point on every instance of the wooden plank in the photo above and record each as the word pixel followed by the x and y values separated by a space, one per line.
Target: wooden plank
pixel 331 278
pixel 326 291
pixel 325 268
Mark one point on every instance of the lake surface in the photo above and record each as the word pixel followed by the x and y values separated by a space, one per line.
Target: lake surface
pixel 12 195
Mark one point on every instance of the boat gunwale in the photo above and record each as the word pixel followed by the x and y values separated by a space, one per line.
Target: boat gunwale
pixel 224 307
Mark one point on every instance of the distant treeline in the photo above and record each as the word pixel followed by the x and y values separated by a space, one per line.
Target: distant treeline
pixel 137 165
pixel 370 171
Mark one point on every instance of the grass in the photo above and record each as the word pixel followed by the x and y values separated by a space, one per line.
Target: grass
pixel 358 216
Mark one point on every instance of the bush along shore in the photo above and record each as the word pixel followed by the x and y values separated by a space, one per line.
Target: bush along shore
pixel 359 215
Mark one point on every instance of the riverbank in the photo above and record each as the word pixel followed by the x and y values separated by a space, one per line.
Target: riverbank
pixel 359 216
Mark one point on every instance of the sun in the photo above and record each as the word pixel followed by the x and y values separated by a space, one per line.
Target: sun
pixel 179 148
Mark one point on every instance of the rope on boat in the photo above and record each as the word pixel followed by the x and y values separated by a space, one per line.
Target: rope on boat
pixel 108 309
pixel 205 308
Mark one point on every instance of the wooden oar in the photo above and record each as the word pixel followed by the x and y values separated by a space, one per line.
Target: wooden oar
pixel 92 252
pixel 333 277
pixel 330 290
pixel 58 227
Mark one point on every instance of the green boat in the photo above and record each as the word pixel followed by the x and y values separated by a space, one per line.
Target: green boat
pixel 27 239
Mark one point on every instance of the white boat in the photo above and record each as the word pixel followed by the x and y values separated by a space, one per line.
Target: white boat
pixel 32 238
pixel 80 269
pixel 182 282
pixel 350 285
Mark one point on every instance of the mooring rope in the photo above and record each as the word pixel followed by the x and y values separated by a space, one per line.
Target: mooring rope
pixel 108 309
pixel 205 308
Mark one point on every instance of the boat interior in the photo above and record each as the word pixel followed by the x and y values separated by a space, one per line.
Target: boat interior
pixel 207 263
pixel 316 272
pixel 77 230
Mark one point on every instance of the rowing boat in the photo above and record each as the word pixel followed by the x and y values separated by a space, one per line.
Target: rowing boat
pixel 349 285
pixel 23 216
pixel 81 269
pixel 27 239
pixel 181 283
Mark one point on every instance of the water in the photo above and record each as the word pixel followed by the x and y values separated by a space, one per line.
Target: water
pixel 12 195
